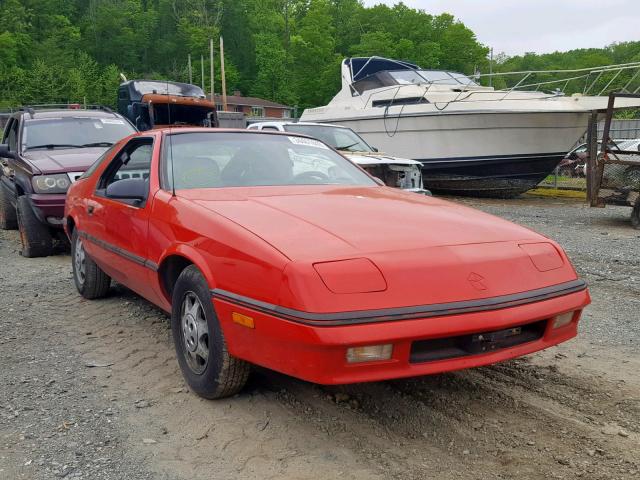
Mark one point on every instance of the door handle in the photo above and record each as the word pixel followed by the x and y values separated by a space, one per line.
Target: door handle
pixel 90 209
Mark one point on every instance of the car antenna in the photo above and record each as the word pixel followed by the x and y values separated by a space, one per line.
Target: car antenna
pixel 173 178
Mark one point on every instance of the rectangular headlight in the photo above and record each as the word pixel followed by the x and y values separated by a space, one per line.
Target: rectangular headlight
pixel 370 353
pixel 563 319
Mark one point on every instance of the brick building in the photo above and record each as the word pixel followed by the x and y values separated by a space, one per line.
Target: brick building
pixel 254 107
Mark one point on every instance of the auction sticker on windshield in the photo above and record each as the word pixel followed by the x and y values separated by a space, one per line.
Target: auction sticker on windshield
pixel 309 142
pixel 112 121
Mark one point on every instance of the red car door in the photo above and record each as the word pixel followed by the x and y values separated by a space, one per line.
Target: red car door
pixel 118 227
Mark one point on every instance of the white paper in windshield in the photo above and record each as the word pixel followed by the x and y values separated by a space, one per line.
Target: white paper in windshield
pixel 112 121
pixel 308 142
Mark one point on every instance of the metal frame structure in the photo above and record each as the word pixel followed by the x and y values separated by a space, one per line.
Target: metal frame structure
pixel 599 193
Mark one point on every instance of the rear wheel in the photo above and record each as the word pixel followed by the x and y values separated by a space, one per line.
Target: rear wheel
pixel 200 344
pixel 35 237
pixel 89 278
pixel 8 217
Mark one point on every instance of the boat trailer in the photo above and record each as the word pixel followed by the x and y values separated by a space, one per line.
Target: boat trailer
pixel 613 175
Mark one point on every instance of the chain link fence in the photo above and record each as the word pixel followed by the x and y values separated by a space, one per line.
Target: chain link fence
pixel 571 173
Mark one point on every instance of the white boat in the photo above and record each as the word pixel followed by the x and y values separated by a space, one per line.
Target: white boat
pixel 471 139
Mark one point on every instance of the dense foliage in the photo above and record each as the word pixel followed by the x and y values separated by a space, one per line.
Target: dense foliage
pixel 285 50
pixel 618 53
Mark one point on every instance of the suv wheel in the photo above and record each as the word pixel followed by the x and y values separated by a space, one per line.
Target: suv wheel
pixel 8 218
pixel 36 237
pixel 200 344
pixel 89 278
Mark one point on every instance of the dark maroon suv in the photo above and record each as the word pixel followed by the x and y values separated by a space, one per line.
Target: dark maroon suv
pixel 42 152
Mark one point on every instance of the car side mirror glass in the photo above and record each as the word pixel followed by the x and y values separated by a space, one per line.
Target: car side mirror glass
pixel 128 189
pixel 5 152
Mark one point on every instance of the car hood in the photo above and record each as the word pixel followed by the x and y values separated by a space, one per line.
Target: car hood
pixel 366 158
pixel 325 222
pixel 63 160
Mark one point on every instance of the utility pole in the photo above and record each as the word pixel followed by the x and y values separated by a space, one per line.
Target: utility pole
pixel 224 81
pixel 202 71
pixel 286 25
pixel 190 72
pixel 491 67
pixel 211 71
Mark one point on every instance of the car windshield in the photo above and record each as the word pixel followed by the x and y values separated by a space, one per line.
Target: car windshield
pixel 74 132
pixel 338 137
pixel 405 77
pixel 224 159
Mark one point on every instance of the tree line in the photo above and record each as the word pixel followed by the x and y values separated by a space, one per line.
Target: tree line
pixel 288 51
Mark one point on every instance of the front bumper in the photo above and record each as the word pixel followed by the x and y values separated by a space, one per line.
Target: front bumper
pixel 318 354
pixel 49 208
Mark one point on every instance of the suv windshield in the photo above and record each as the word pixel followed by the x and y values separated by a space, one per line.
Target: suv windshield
pixel 338 137
pixel 214 160
pixel 74 132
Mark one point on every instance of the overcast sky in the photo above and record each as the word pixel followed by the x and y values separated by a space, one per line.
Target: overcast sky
pixel 541 26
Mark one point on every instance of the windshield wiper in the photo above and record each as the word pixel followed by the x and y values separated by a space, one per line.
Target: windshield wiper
pixel 347 147
pixel 51 146
pixel 98 144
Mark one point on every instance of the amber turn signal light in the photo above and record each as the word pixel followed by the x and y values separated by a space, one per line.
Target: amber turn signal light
pixel 243 320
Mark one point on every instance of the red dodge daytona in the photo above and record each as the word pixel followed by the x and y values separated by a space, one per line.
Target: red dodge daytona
pixel 273 249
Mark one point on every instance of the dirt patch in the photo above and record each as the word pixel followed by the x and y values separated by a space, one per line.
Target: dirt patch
pixel 118 408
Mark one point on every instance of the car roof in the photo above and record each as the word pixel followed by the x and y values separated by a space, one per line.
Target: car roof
pixel 68 113
pixel 282 124
pixel 179 130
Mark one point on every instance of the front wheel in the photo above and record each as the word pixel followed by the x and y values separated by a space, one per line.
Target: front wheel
pixel 35 236
pixel 89 278
pixel 199 341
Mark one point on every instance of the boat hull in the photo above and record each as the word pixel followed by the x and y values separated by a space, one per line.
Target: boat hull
pixel 492 153
pixel 503 177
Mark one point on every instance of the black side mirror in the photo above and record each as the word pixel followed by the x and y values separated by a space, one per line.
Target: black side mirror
pixel 5 152
pixel 134 189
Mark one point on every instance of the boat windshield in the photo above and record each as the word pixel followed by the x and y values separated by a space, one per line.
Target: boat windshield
pixel 339 138
pixel 407 77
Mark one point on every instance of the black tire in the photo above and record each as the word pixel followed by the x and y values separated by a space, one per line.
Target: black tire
pixel 8 216
pixel 635 216
pixel 92 282
pixel 35 237
pixel 220 375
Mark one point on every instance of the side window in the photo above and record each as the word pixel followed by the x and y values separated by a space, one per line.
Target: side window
pixel 97 163
pixel 269 127
pixel 133 161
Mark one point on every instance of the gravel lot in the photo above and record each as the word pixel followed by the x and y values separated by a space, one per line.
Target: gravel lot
pixel 92 389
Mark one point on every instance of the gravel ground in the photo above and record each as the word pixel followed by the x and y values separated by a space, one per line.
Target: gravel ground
pixel 92 389
pixel 605 251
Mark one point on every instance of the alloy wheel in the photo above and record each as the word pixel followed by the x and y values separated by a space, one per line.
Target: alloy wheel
pixel 79 259
pixel 195 333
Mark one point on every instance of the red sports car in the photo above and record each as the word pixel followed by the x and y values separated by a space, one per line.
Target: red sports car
pixel 273 249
